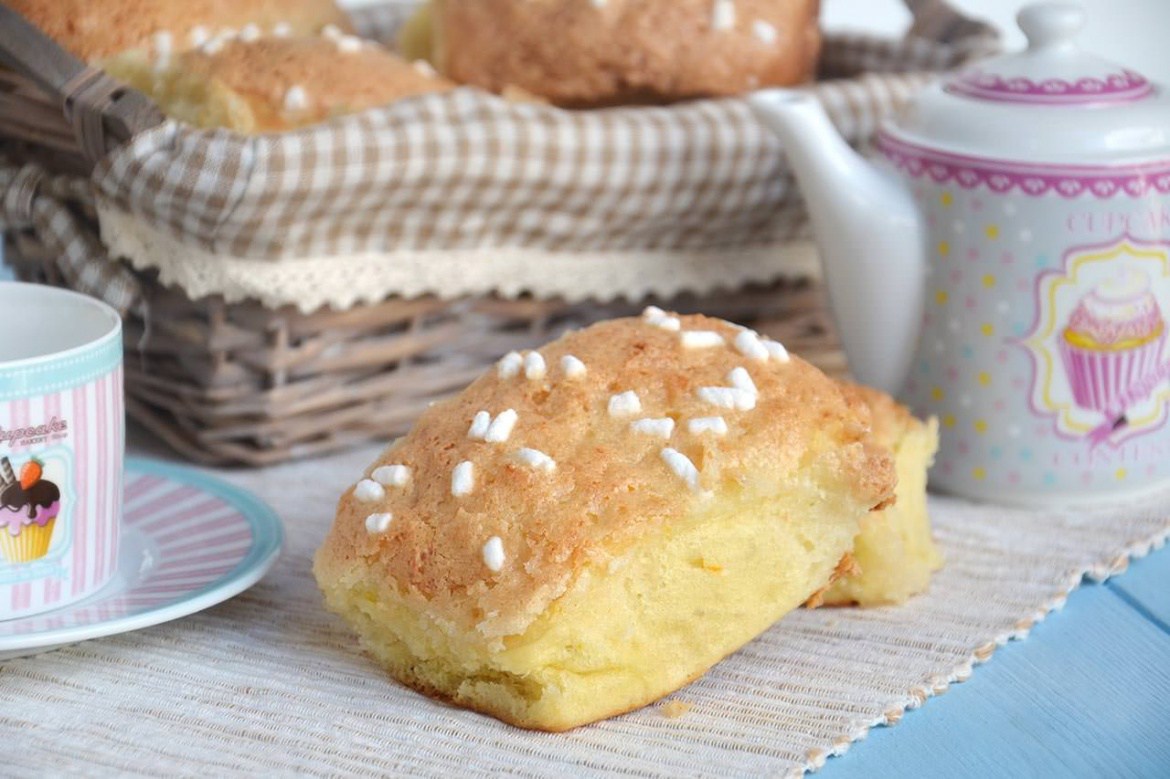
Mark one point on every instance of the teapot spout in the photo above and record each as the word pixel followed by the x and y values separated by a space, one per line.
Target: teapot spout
pixel 868 233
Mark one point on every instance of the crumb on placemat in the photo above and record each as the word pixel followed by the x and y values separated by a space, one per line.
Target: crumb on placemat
pixel 675 709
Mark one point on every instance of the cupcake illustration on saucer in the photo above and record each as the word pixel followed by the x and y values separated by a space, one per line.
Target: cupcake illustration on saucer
pixel 1113 345
pixel 28 511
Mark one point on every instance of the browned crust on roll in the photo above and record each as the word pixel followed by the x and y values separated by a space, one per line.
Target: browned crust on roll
pixel 889 418
pixel 334 82
pixel 609 487
pixel 846 566
pixel 627 51
pixel 96 29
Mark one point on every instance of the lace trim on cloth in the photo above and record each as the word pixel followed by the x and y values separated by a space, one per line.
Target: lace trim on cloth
pixel 340 282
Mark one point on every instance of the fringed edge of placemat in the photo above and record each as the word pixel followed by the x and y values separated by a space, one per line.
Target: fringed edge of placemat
pixel 1098 572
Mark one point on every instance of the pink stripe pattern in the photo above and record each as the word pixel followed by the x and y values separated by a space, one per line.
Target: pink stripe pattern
pixel 180 541
pixel 85 463
pixel 1100 378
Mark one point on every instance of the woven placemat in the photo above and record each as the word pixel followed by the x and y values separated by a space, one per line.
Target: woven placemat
pixel 271 684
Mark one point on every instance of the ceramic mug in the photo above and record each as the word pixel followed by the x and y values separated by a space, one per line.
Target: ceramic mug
pixel 62 433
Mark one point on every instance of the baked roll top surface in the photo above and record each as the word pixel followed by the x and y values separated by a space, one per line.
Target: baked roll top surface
pixel 561 459
pixel 582 53
pixel 267 83
pixel 96 29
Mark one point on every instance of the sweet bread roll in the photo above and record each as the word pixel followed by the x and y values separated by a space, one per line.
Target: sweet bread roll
pixel 96 29
pixel 415 37
pixel 894 555
pixel 590 526
pixel 608 52
pixel 270 84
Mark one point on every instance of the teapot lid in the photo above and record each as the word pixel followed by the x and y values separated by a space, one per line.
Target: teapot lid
pixel 1052 70
pixel 1052 102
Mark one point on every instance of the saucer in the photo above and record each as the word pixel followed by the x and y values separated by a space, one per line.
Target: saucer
pixel 188 542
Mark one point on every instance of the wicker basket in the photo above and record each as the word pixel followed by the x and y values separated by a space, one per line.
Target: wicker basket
pixel 245 383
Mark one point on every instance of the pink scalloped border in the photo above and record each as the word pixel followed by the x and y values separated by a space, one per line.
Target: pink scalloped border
pixel 1033 179
pixel 1122 87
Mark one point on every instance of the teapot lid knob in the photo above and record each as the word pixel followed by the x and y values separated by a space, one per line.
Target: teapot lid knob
pixel 1050 24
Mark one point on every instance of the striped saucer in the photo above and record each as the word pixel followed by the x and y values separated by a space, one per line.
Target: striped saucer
pixel 188 542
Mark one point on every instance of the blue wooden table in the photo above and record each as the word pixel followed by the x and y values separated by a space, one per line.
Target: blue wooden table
pixel 1086 694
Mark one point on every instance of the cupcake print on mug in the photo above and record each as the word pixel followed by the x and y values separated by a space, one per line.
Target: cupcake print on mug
pixel 1102 374
pixel 29 506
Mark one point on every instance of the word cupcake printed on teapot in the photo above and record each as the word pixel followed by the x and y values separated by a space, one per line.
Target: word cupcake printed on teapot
pixel 1109 222
pixel 1098 344
pixel 53 430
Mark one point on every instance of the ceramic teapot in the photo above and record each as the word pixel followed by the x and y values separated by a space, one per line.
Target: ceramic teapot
pixel 1004 264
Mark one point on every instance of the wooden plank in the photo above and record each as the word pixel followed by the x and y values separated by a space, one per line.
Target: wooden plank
pixel 1085 695
pixel 1147 586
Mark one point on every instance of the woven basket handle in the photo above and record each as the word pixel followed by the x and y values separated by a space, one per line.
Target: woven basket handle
pixel 939 21
pixel 102 112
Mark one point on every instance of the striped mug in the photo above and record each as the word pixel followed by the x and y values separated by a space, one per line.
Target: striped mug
pixel 62 434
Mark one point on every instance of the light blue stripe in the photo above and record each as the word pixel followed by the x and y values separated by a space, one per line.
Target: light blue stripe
pixel 62 374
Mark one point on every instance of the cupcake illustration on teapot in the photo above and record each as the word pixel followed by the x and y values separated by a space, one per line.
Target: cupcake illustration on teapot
pixel 1112 347
pixel 29 505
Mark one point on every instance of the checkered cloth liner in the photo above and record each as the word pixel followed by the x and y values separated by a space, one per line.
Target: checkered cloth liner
pixel 31 199
pixel 465 170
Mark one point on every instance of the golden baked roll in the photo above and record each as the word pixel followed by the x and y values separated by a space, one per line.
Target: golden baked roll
pixel 609 52
pixel 269 84
pixel 893 555
pixel 415 37
pixel 96 29
pixel 590 526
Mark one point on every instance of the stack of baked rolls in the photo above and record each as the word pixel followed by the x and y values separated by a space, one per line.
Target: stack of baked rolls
pixel 272 65
pixel 95 30
pixel 595 523
pixel 247 65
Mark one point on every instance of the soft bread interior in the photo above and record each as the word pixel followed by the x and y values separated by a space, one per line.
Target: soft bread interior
pixel 416 38
pixel 272 83
pixel 894 550
pixel 657 616
pixel 189 97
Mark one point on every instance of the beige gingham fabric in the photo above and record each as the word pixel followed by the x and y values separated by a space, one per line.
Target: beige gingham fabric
pixel 467 172
pixel 32 200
